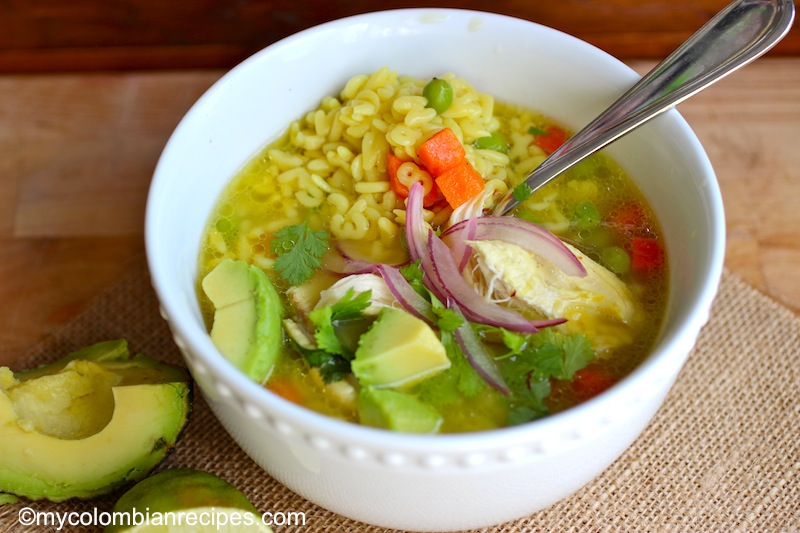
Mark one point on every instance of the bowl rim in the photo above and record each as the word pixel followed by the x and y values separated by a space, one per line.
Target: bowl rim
pixel 257 394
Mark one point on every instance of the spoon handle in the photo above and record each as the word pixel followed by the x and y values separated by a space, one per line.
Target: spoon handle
pixel 737 35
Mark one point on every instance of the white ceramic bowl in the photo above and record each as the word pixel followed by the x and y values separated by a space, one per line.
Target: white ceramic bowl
pixel 430 482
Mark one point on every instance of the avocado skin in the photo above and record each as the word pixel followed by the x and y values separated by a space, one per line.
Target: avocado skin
pixel 161 386
pixel 247 317
pixel 179 490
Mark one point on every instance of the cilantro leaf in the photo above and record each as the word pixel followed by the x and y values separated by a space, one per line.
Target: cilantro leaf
pixel 414 274
pixel 532 404
pixel 515 342
pixel 522 192
pixel 457 382
pixel 533 361
pixel 447 319
pixel 331 367
pixel 533 130
pixel 350 306
pixel 547 360
pixel 578 353
pixel 522 414
pixel 412 271
pixel 299 251
pixel 325 333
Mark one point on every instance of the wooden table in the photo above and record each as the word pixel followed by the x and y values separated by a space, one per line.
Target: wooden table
pixel 77 153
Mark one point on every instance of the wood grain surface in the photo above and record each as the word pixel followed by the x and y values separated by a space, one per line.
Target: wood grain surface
pixel 77 153
pixel 80 35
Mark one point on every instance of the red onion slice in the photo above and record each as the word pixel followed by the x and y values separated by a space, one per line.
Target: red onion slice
pixel 476 353
pixel 522 233
pixel 460 249
pixel 415 225
pixel 405 294
pixel 447 276
pixel 416 238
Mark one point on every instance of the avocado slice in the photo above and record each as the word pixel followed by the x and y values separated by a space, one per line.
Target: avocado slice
pixel 398 350
pixel 396 410
pixel 92 421
pixel 247 317
pixel 188 491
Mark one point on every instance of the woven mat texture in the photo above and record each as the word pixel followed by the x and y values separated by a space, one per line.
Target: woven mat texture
pixel 722 454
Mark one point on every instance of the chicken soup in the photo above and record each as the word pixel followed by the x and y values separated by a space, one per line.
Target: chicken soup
pixel 353 266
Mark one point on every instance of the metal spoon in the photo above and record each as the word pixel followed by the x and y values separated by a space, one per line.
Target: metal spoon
pixel 737 35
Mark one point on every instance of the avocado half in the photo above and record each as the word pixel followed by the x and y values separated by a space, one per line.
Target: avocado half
pixel 89 423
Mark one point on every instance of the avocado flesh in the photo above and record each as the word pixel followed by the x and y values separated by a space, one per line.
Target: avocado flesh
pixel 398 350
pixel 248 313
pixel 73 403
pixel 397 411
pixel 112 431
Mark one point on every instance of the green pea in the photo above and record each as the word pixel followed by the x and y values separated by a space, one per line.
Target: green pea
pixel 616 259
pixel 586 168
pixel 495 142
pixel 224 225
pixel 439 94
pixel 588 215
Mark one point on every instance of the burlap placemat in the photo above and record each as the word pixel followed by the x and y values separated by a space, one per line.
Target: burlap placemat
pixel 721 455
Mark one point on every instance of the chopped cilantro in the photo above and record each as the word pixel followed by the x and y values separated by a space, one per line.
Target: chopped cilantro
pixel 515 342
pixel 412 272
pixel 299 251
pixel 332 367
pixel 522 192
pixel 532 361
pixel 533 130
pixel 457 382
pixel 578 353
pixel 330 355
pixel 446 319
pixel 349 307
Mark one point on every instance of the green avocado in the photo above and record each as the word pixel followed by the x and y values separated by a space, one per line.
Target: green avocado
pixel 396 410
pixel 7 499
pixel 186 490
pixel 247 317
pixel 398 350
pixel 89 423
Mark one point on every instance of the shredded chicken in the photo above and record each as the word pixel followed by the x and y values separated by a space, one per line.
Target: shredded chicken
pixel 304 297
pixel 381 295
pixel 599 304
pixel 471 208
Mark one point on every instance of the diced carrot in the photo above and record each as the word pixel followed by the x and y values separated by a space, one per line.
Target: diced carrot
pixel 285 390
pixel 646 255
pixel 460 183
pixel 392 164
pixel 589 382
pixel 551 140
pixel 432 197
pixel 441 151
